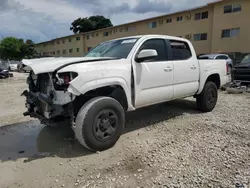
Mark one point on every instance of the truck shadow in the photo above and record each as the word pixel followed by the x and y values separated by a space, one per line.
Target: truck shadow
pixel 155 114
pixel 31 140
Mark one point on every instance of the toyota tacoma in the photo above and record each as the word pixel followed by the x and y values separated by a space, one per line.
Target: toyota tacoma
pixel 94 92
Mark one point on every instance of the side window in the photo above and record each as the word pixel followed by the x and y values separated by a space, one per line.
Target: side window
pixel 158 45
pixel 221 57
pixel 180 50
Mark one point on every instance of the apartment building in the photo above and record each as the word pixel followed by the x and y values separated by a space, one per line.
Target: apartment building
pixel 219 27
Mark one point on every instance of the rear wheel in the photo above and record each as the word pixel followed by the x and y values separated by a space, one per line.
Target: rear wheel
pixel 207 100
pixel 99 123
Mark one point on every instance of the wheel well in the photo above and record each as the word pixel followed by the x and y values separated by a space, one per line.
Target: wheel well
pixel 214 78
pixel 114 91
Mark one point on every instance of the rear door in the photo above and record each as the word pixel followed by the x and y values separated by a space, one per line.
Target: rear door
pixel 186 69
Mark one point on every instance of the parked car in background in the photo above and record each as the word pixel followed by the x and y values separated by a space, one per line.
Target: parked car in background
pixel 219 56
pixel 241 71
pixel 23 68
pixel 13 65
pixel 4 73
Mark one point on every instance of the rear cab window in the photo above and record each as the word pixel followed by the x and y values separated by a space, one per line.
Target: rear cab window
pixel 180 50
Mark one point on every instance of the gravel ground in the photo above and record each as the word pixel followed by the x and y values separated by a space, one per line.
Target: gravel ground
pixel 168 145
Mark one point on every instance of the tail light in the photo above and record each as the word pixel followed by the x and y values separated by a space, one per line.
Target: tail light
pixel 227 68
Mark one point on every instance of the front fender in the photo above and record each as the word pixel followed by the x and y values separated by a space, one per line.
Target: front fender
pixel 103 82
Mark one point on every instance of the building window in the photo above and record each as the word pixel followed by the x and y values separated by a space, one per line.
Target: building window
pixel 201 16
pixel 105 34
pixel 179 18
pixel 232 8
pixel 78 38
pixel 89 48
pixel 63 41
pixel 160 22
pixel 169 20
pixel 70 50
pixel 88 37
pixel 97 34
pixel 77 49
pixel 227 33
pixel 69 40
pixel 64 51
pixel 58 51
pixel 200 36
pixel 54 52
pixel 58 42
pixel 152 25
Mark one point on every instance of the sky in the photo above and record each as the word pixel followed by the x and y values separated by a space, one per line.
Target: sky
pixel 42 20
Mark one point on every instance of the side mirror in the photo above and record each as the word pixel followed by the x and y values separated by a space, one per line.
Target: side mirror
pixel 146 55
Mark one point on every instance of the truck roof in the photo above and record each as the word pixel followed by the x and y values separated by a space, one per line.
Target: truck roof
pixel 152 35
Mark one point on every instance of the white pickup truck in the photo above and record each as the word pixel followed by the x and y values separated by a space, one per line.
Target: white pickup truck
pixel 96 90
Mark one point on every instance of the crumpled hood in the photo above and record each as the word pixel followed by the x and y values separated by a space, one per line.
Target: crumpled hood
pixel 44 65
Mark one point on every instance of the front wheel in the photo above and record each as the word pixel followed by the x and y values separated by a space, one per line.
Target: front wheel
pixel 99 123
pixel 207 100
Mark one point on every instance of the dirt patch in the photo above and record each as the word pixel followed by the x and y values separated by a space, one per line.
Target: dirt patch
pixel 167 145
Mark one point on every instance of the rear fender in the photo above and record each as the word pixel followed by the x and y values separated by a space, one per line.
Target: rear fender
pixel 204 77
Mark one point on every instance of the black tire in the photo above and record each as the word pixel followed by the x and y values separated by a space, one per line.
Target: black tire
pixel 206 101
pixel 93 123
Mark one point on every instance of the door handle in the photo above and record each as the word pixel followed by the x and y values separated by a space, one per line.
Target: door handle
pixel 193 67
pixel 168 69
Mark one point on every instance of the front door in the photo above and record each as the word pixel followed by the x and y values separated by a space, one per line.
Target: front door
pixel 154 78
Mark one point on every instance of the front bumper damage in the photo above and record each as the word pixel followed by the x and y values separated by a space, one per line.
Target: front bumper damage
pixel 34 103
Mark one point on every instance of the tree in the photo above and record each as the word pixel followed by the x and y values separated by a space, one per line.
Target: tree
pixel 28 50
pixel 92 23
pixel 100 22
pixel 12 48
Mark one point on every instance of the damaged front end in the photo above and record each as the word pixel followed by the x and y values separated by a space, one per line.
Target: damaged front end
pixel 48 99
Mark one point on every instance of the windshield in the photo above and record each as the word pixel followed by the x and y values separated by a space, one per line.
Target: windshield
pixel 116 48
pixel 246 59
